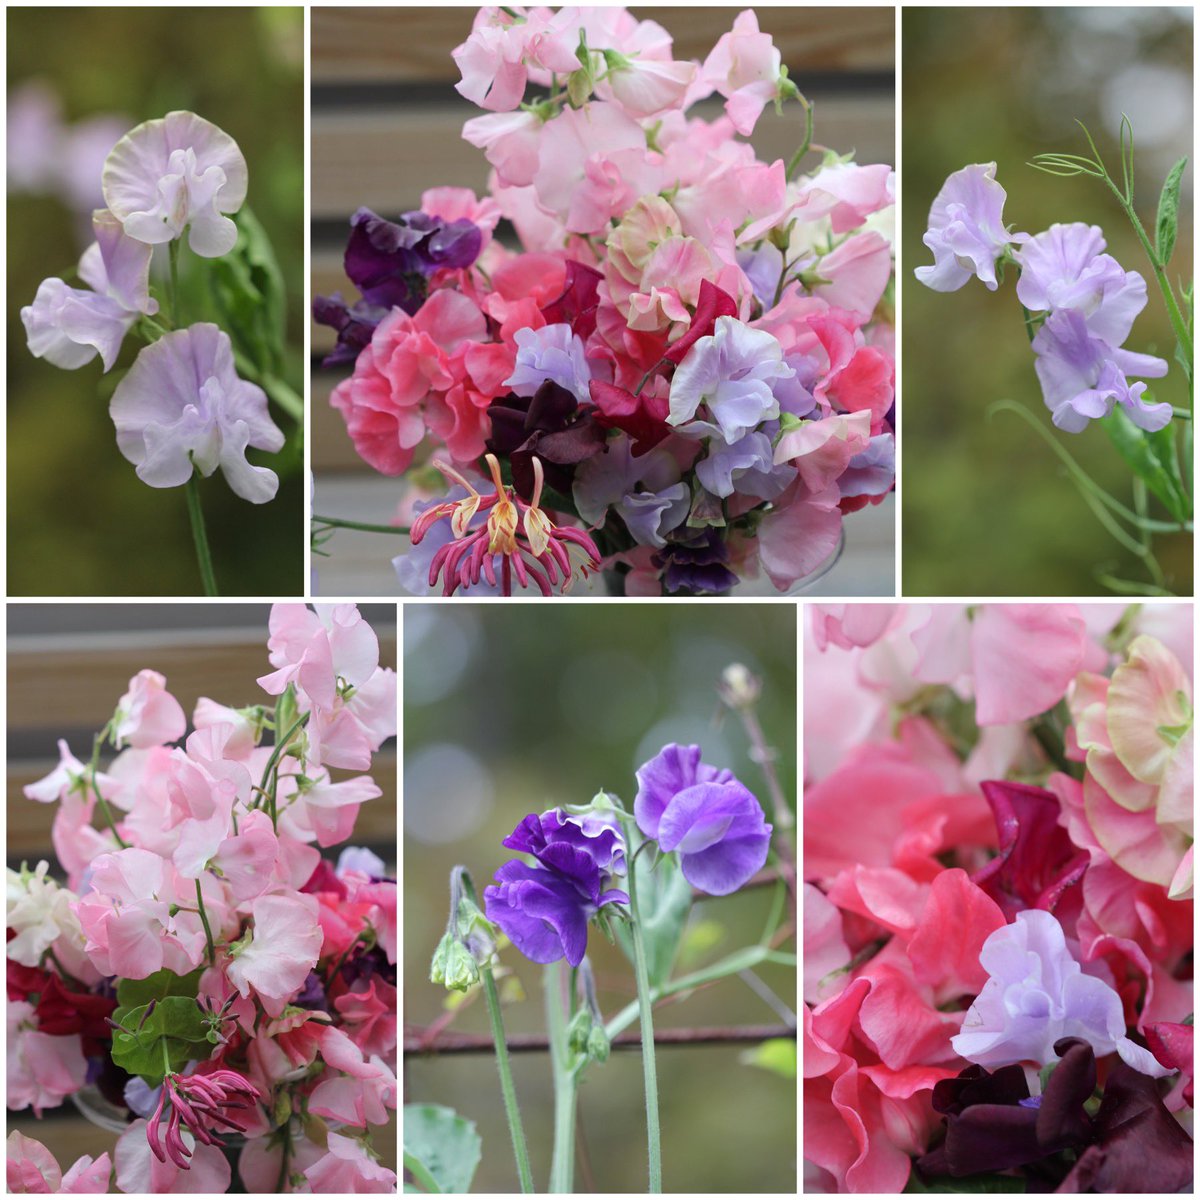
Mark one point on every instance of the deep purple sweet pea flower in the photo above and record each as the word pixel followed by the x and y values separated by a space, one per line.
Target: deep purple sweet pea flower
pixel 704 813
pixel 544 908
pixel 696 564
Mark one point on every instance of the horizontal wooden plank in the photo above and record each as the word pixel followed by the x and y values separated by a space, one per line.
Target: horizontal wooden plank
pixel 385 159
pixel 414 44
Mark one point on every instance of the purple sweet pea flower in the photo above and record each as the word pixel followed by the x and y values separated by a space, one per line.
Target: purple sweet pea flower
pixel 544 908
pixel 966 230
pixel 646 492
pixel 732 372
pixel 872 471
pixel 747 467
pixel 695 564
pixel 1064 268
pixel 554 352
pixel 712 820
pixel 1083 376
pixel 1037 994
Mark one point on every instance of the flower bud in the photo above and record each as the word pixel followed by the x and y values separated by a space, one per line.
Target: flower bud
pixel 579 1031
pixel 598 1044
pixel 739 687
pixel 453 965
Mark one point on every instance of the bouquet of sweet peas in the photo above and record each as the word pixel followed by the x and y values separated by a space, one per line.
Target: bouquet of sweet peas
pixel 205 976
pixel 998 899
pixel 682 376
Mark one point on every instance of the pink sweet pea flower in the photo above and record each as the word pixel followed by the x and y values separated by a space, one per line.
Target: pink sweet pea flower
pixel 370 1017
pixel 244 730
pixel 67 778
pixel 347 1167
pixel 461 204
pixel 858 273
pixel 744 66
pixel 348 735
pixel 510 142
pixel 326 811
pixel 275 958
pixel 43 1070
pixel 148 715
pixel 140 1172
pixel 496 57
pixel 847 193
pixel 798 535
pixel 33 1169
pixel 821 450
pixel 646 87
pixel 363 1091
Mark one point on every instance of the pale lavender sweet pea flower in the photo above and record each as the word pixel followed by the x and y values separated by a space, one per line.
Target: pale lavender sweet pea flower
pixel 872 471
pixel 747 467
pixel 966 230
pixel 1038 994
pixel 179 172
pixel 182 404
pixel 647 492
pixel 1083 377
pixel 1064 267
pixel 553 352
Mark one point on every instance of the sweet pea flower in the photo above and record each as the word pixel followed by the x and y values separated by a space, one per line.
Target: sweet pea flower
pixel 745 67
pixel 42 1070
pixel 1037 994
pixel 148 715
pixel 746 467
pixel 645 87
pixel 179 172
pixel 554 353
pixel 275 957
pixel 966 232
pixel 712 820
pixel 69 776
pixel 33 1169
pixel 140 1172
pixel 348 1167
pixel 181 407
pixel 39 914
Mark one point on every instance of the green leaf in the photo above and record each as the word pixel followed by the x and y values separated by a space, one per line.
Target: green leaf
pixel 1168 213
pixel 1153 461
pixel 777 1055
pixel 664 899
pixel 136 993
pixel 159 1040
pixel 440 1147
pixel 968 1184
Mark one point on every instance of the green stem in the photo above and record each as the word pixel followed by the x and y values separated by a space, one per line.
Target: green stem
pixel 420 1173
pixel 199 536
pixel 278 749
pixel 794 163
pixel 511 1110
pixel 212 950
pixel 93 768
pixel 562 1165
pixel 645 1009
pixel 338 523
pixel 1181 414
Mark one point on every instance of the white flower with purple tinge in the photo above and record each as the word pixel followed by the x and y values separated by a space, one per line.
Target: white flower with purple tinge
pixel 182 405
pixel 746 467
pixel 732 372
pixel 1083 377
pixel 1038 994
pixel 553 352
pixel 966 230
pixel 1064 267
pixel 179 172
pixel 646 492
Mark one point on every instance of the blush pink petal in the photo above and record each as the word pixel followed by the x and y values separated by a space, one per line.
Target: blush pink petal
pixel 944 949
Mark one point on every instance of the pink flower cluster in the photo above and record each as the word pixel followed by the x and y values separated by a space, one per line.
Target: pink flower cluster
pixel 997 855
pixel 694 343
pixel 194 864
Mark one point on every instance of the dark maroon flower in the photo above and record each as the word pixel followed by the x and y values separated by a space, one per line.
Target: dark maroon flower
pixel 62 1012
pixel 24 982
pixel 711 304
pixel 1038 864
pixel 579 301
pixel 696 564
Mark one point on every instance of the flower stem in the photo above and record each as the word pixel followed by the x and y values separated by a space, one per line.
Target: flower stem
pixel 562 1165
pixel 212 950
pixel 338 523
pixel 199 536
pixel 511 1109
pixel 649 1067
pixel 93 768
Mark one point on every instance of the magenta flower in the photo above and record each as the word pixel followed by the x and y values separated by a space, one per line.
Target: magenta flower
pixel 182 406
pixel 712 820
pixel 197 1103
pixel 177 173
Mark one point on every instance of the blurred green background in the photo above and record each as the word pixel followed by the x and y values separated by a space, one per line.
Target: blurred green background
pixel 79 519
pixel 987 508
pixel 513 709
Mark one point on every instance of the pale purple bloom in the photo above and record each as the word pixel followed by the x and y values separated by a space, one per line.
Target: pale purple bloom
pixel 732 373
pixel 182 403
pixel 364 861
pixel 966 230
pixel 544 909
pixel 762 265
pixel 646 492
pixel 747 467
pixel 179 172
pixel 553 352
pixel 702 812
pixel 871 472
pixel 1064 268
pixel 1083 377
pixel 1038 994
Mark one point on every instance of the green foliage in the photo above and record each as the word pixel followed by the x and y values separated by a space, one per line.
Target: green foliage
pixel 1167 225
pixel 441 1149
pixel 161 1039
pixel 777 1055
pixel 135 993
pixel 1152 458
pixel 665 899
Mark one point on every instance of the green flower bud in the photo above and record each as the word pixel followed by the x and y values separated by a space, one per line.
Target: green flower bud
pixel 598 1044
pixel 453 965
pixel 579 1031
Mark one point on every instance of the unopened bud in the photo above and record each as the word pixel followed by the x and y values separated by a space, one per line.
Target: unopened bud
pixel 453 965
pixel 739 686
pixel 579 1031
pixel 598 1044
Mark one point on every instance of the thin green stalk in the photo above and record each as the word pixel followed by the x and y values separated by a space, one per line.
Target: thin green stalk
pixel 420 1173
pixel 191 490
pixel 338 523
pixel 93 769
pixel 794 163
pixel 645 1010
pixel 278 749
pixel 562 1165
pixel 212 949
pixel 515 1128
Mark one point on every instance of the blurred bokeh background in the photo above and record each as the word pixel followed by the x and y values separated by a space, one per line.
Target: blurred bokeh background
pixel 387 124
pixel 80 522
pixel 513 709
pixel 987 509
pixel 68 665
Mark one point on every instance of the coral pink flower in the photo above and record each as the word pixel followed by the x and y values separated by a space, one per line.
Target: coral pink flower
pixel 370 1017
pixel 348 1167
pixel 148 715
pixel 275 958
pixel 33 1169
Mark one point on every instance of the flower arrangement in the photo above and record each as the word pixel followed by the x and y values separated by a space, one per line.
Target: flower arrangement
pixel 1079 305
pixel 686 359
pixel 222 992
pixel 633 872
pixel 998 899
pixel 208 310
